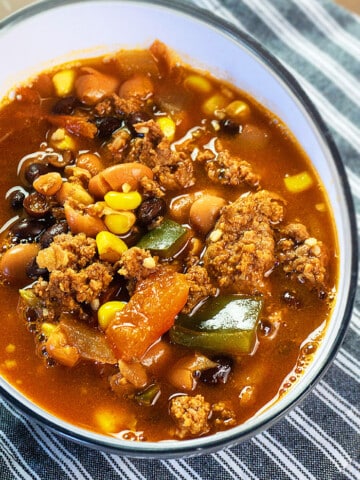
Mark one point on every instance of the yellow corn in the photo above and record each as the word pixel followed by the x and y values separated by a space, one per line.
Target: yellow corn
pixel 110 247
pixel 213 103
pixel 298 183
pixel 64 82
pixel 167 126
pixel 10 348
pixel 107 312
pixel 47 328
pixel 61 140
pixel 198 84
pixel 119 223
pixel 238 110
pixel 123 200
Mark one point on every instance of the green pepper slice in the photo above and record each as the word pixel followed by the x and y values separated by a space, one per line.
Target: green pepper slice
pixel 225 324
pixel 165 240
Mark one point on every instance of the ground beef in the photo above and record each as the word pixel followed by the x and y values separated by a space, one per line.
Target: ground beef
pixel 302 257
pixel 223 416
pixel 200 287
pixel 68 288
pixel 76 276
pixel 116 106
pixel 172 169
pixel 190 415
pixel 150 188
pixel 135 265
pixel 227 169
pixel 66 250
pixel 241 248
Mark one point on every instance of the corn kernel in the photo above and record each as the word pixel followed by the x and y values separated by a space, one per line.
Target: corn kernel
pixel 113 421
pixel 64 82
pixel 10 348
pixel 198 84
pixel 62 140
pixel 10 364
pixel 107 312
pixel 110 247
pixel 215 102
pixel 119 223
pixel 238 110
pixel 167 126
pixel 123 200
pixel 47 328
pixel 298 183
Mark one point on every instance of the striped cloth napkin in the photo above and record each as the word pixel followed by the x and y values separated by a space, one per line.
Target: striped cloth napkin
pixel 320 44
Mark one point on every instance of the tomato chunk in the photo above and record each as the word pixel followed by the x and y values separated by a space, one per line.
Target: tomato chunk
pixel 150 313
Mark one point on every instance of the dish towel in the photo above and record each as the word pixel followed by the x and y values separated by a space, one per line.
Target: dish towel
pixel 319 43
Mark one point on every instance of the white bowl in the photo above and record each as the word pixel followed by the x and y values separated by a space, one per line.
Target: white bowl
pixel 51 32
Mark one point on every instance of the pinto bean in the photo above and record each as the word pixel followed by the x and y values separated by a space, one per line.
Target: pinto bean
pixel 92 86
pixel 138 85
pixel 80 222
pixel 114 177
pixel 204 212
pixel 74 191
pixel 14 263
pixel 90 162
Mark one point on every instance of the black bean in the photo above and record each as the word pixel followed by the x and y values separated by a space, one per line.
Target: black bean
pixel 107 125
pixel 218 374
pixel 34 170
pixel 16 199
pixel 33 271
pixel 27 230
pixel 150 209
pixel 291 299
pixel 265 328
pixel 230 127
pixel 31 315
pixel 65 106
pixel 36 205
pixel 48 236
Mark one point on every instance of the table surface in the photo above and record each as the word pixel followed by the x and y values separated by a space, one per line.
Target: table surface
pixel 319 43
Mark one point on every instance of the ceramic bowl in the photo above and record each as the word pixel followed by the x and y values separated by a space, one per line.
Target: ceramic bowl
pixel 51 32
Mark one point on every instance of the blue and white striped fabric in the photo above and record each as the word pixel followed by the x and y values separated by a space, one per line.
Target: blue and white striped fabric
pixel 319 43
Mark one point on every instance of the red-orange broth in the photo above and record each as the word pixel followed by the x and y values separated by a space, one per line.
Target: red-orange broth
pixel 199 137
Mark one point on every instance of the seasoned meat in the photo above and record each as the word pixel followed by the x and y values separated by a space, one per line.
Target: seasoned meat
pixel 66 250
pixel 241 249
pixel 303 257
pixel 75 274
pixel 172 169
pixel 200 287
pixel 228 169
pixel 68 288
pixel 190 415
pixel 223 416
pixel 136 264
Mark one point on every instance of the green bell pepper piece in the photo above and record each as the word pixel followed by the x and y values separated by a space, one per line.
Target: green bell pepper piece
pixel 225 324
pixel 165 240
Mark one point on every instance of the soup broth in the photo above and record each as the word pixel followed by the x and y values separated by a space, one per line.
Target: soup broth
pixel 169 258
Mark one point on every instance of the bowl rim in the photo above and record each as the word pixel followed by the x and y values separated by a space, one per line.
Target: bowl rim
pixel 174 449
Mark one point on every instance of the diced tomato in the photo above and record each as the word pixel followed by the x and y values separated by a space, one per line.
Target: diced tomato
pixel 150 313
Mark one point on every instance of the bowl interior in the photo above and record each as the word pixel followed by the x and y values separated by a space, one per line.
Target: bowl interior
pixel 63 31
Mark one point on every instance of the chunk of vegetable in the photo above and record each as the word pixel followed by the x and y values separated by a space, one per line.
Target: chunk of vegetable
pixel 64 82
pixel 107 312
pixel 150 313
pixel 224 324
pixel 119 223
pixel 165 240
pixel 110 247
pixel 167 126
pixel 148 396
pixel 91 344
pixel 298 183
pixel 62 140
pixel 123 200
